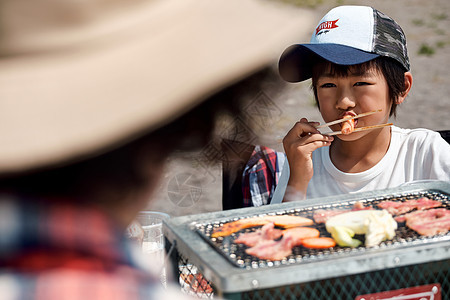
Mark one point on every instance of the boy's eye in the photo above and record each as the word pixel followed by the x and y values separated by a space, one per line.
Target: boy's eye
pixel 327 85
pixel 360 83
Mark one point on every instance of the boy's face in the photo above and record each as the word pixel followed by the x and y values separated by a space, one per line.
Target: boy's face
pixel 354 94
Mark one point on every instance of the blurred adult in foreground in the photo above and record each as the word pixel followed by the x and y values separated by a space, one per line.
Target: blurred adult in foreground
pixel 94 96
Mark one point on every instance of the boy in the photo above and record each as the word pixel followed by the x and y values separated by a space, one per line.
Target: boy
pixel 95 95
pixel 358 62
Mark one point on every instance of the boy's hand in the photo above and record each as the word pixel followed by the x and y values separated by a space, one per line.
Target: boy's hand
pixel 299 144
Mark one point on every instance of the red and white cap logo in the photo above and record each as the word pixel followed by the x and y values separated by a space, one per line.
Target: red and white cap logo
pixel 327 25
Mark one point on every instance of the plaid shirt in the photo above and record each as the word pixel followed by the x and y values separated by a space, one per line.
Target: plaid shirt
pixel 62 252
pixel 261 175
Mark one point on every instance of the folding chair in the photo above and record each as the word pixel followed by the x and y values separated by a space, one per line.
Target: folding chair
pixel 445 135
pixel 235 156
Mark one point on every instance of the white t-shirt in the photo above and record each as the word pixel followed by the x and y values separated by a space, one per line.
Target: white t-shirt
pixel 413 154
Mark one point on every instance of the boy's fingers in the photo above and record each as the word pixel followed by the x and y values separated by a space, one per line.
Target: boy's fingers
pixel 310 146
pixel 312 123
pixel 316 138
pixel 302 128
pixel 313 138
pixel 308 143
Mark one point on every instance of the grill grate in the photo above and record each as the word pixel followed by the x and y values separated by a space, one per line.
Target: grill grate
pixel 235 253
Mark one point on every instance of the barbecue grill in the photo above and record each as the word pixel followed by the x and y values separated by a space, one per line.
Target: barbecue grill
pixel 409 260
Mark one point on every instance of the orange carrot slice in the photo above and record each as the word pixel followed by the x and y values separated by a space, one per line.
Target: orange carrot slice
pixel 284 221
pixel 318 243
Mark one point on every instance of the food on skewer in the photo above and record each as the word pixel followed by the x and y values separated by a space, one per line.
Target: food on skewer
pixel 428 222
pixel 353 117
pixel 359 129
pixel 284 221
pixel 348 126
pixel 399 207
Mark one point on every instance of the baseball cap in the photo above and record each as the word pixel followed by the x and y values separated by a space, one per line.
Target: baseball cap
pixel 346 35
pixel 79 78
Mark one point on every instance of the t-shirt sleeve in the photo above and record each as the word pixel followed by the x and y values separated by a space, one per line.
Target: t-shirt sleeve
pixel 436 157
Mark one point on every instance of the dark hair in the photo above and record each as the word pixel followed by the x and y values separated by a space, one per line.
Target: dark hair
pixel 117 171
pixel 392 71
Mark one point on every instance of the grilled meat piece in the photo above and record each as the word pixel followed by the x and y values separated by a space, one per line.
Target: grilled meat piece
pixel 272 250
pixel 348 126
pixel 298 234
pixel 399 207
pixel 428 222
pixel 265 233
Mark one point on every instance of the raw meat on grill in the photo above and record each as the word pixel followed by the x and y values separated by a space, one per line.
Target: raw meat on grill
pixel 428 222
pixel 272 250
pixel 322 215
pixel 279 249
pixel 401 219
pixel 284 221
pixel 399 207
pixel 298 234
pixel 265 233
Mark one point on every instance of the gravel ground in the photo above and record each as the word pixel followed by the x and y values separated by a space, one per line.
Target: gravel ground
pixel 191 186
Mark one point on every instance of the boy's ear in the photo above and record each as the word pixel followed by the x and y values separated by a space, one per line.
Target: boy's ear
pixel 407 87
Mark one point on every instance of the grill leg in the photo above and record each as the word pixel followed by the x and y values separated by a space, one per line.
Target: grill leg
pixel 172 261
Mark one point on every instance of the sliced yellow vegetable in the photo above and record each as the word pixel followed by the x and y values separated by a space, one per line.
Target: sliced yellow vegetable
pixel 377 225
pixel 343 237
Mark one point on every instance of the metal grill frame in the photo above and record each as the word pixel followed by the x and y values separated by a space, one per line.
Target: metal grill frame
pixel 226 278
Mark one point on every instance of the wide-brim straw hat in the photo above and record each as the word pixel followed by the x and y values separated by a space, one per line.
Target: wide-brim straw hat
pixel 78 77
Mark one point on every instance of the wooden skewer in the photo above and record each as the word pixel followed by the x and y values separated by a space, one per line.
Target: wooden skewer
pixel 346 119
pixel 361 128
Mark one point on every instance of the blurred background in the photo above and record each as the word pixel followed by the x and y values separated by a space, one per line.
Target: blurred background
pixel 192 182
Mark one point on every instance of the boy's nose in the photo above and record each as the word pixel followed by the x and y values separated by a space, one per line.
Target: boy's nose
pixel 345 102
